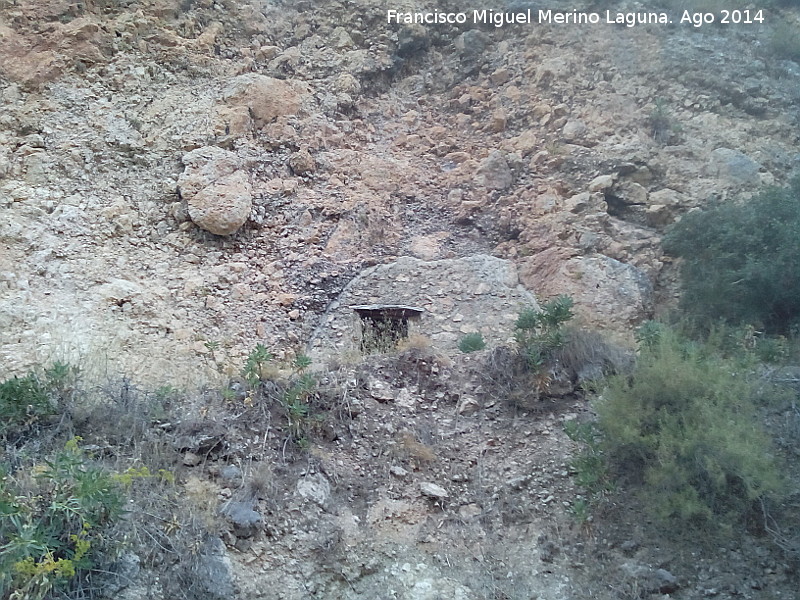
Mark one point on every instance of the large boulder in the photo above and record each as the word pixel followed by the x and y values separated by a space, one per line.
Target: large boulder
pixel 607 292
pixel 217 191
pixel 734 167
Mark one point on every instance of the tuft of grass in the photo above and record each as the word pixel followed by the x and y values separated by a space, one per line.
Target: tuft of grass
pixel 472 342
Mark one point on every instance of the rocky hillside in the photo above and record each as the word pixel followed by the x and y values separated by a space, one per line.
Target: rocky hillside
pixel 336 141
pixel 181 180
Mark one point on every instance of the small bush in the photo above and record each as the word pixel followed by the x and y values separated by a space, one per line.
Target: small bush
pixel 539 333
pixel 785 42
pixel 257 360
pixel 683 427
pixel 23 402
pixel 741 261
pixel 472 342
pixel 28 402
pixel 52 525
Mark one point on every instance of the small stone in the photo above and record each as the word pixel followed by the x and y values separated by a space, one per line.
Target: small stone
pixel 498 121
pixel 285 299
pixel 302 163
pixel 601 183
pixel 243 518
pixel 398 472
pixel 315 488
pixel 468 406
pixel 231 473
pixel 190 459
pixel 432 490
pixel 500 76
pixel 668 582
pixel 494 172
pixel 573 130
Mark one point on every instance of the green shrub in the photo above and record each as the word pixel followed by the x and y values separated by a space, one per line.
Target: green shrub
pixel 785 42
pixel 539 333
pixel 683 427
pixel 472 342
pixel 23 402
pixel 52 524
pixel 589 466
pixel 741 261
pixel 28 402
pixel 258 358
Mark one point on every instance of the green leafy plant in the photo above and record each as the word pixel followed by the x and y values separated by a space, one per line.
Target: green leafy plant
pixel 741 261
pixel 27 402
pixel 683 429
pixel 472 342
pixel 254 366
pixel 296 402
pixel 24 401
pixel 589 465
pixel 52 523
pixel 539 333
pixel 301 363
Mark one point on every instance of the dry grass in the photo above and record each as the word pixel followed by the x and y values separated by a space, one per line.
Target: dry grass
pixel 588 352
pixel 413 449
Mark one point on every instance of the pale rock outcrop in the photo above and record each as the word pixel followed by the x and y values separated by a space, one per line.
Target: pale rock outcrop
pixel 266 97
pixel 458 296
pixel 217 191
pixel 734 167
pixel 606 291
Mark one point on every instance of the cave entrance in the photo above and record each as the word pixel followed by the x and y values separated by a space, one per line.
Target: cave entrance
pixel 384 325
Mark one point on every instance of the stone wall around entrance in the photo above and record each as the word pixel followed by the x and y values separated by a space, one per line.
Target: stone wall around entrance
pixel 478 293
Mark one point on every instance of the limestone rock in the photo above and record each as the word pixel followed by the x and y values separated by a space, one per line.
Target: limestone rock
pixel 734 167
pixel 345 83
pixel 483 289
pixel 121 574
pixel 223 206
pixel 266 97
pixel 212 576
pixel 411 39
pixel 315 488
pixel 244 520
pixel 204 166
pixel 431 490
pixel 618 293
pixel 601 183
pixel 302 163
pixel 190 459
pixel 217 192
pixel 233 121
pixel 648 579
pixel 494 172
pixel 574 130
pixel 119 291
